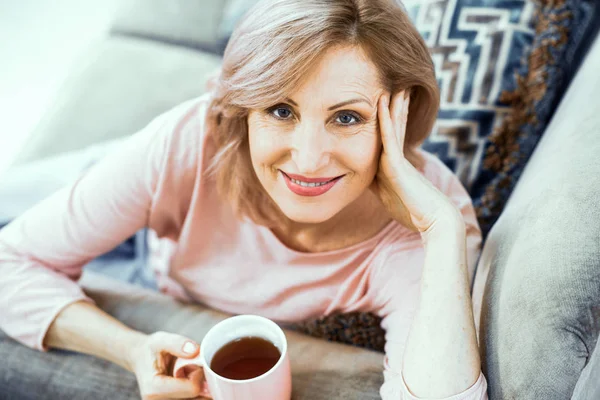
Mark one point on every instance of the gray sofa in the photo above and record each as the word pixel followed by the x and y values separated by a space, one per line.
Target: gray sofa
pixel 537 287
pixel 539 272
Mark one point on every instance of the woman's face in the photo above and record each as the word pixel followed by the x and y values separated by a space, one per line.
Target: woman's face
pixel 319 150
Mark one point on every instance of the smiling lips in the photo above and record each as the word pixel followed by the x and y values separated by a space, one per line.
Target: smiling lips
pixel 303 186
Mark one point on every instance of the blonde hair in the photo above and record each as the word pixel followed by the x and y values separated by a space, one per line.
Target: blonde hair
pixel 269 53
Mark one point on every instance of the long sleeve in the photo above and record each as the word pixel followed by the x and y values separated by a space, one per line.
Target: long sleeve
pixel 396 287
pixel 43 251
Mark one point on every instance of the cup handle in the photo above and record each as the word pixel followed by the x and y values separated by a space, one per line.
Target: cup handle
pixel 184 367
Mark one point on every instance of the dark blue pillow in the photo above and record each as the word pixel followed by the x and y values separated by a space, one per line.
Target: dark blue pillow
pixel 476 47
pixel 496 96
pixel 563 33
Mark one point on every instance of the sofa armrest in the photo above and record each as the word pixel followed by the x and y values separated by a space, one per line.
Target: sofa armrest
pixel 117 88
pixel 537 289
pixel 188 23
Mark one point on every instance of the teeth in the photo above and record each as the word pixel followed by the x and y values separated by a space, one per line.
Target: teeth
pixel 308 184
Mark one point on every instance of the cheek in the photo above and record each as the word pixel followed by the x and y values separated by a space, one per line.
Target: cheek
pixel 264 143
pixel 361 154
pixel 368 162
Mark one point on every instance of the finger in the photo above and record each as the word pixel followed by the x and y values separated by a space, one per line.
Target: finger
pixel 198 377
pixel 391 145
pixel 175 388
pixel 174 344
pixel 399 113
pixel 186 370
pixel 385 122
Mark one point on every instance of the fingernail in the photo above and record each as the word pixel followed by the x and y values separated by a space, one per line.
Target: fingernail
pixel 189 348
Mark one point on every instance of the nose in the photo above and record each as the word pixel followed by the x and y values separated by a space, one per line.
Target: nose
pixel 311 149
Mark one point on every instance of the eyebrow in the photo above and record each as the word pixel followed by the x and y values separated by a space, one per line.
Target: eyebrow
pixel 338 105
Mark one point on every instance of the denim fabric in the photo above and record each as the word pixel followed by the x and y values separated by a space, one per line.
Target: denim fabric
pixel 128 262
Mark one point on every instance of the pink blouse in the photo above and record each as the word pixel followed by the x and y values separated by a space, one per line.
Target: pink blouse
pixel 201 252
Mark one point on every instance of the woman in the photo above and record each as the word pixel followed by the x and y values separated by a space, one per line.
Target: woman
pixel 296 184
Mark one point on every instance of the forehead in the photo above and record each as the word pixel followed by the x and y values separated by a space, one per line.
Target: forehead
pixel 340 72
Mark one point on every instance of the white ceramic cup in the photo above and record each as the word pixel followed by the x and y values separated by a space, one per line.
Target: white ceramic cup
pixel 276 384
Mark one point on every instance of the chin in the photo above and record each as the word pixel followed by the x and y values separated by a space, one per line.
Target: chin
pixel 305 214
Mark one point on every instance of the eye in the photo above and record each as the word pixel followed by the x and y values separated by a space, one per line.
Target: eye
pixel 347 118
pixel 280 111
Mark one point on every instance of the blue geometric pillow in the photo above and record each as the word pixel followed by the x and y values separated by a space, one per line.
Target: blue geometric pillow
pixel 476 46
pixel 502 66
pixel 564 31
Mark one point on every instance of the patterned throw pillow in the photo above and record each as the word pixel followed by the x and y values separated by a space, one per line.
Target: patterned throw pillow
pixel 564 31
pixel 476 46
pixel 356 328
pixel 502 67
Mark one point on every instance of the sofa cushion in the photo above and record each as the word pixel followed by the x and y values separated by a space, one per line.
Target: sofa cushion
pixel 539 273
pixel 118 87
pixel 189 23
pixel 588 387
pixel 320 370
pixel 475 46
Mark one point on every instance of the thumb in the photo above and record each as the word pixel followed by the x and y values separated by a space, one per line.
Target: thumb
pixel 197 376
pixel 174 344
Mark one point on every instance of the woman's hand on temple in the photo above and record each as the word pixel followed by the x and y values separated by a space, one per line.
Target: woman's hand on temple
pixel 410 198
pixel 152 359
